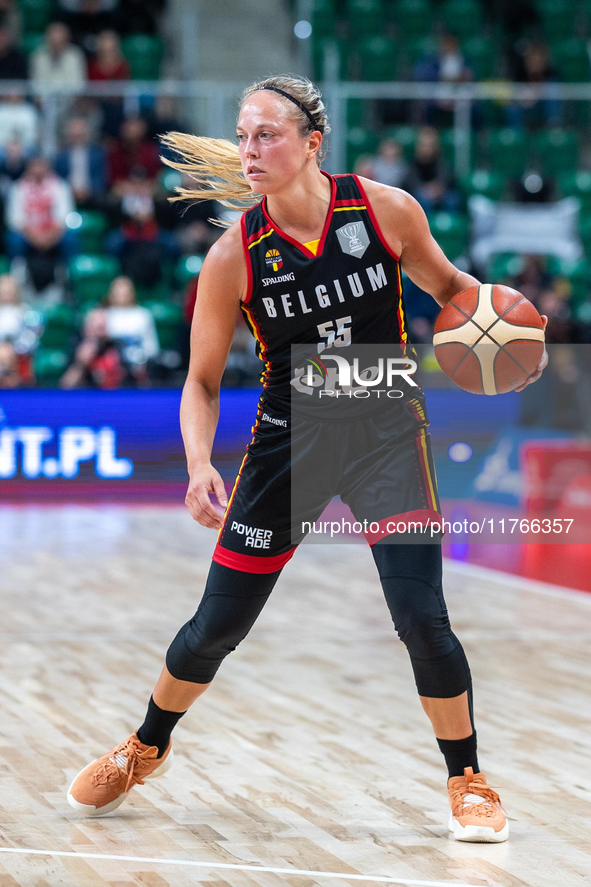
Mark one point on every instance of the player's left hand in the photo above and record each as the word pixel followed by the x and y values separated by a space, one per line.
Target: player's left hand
pixel 543 362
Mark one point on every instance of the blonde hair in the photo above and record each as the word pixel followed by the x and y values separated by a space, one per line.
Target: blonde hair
pixel 214 164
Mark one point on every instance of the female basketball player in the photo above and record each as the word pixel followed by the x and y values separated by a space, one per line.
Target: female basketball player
pixel 318 255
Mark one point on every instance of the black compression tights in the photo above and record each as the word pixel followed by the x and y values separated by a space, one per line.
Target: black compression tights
pixel 411 578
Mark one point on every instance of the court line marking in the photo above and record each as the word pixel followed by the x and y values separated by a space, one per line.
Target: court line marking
pixel 511 579
pixel 376 879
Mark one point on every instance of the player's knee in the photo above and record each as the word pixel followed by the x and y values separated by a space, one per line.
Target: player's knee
pixel 420 616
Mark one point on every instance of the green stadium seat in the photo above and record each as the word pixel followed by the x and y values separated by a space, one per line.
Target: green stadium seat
pixel 344 50
pixel 450 230
pixel 36 14
pixel 503 267
pixel 378 58
pixel 406 136
pixel 30 42
pixel 366 17
pixel 4 265
pixel 413 18
pixel 558 150
pixel 59 324
pixel 447 140
pixel 360 141
pixel 419 47
pixel 187 268
pixel 576 184
pixel 462 17
pixel 572 60
pixel 355 112
pixel 323 18
pixel 90 277
pixel 157 292
pixel 481 54
pixel 507 151
pixel 144 54
pixel 168 318
pixel 577 273
pixel 92 230
pixel 557 17
pixel 487 182
pixel 49 365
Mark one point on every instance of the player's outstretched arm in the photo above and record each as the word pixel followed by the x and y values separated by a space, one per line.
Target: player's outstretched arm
pixel 222 283
pixel 405 227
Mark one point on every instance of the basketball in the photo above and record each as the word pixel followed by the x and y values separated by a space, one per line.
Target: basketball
pixel 488 339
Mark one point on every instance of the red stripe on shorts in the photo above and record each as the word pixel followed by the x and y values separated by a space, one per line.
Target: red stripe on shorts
pixel 251 563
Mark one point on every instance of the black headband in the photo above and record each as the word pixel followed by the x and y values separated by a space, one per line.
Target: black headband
pixel 301 106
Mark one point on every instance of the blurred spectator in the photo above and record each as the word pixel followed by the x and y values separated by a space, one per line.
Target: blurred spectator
pixel 534 66
pixel 389 167
pixel 12 311
pixel 109 64
pixel 132 150
pixel 364 166
pixel 139 243
pixel 10 376
pixel 58 63
pixel 532 279
pixel 36 210
pixel 560 327
pixel 447 66
pixel 11 18
pixel 163 118
pixel 138 16
pixel 97 362
pixel 18 323
pixel 132 327
pixel 82 163
pixel 13 161
pixel 18 120
pixel 193 230
pixel 13 62
pixel 86 18
pixel 428 179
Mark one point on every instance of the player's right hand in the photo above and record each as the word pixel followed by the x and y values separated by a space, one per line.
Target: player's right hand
pixel 203 481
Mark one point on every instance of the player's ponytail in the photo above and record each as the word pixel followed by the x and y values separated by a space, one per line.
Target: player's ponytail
pixel 214 164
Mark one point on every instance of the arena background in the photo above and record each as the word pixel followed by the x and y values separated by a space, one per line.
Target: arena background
pixel 482 111
pixel 483 115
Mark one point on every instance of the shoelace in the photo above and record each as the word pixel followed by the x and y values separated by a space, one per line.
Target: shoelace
pixel 110 768
pixel 489 796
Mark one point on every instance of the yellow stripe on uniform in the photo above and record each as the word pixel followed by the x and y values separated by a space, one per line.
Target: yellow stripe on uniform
pixel 341 209
pixel 423 444
pixel 262 237
pixel 401 317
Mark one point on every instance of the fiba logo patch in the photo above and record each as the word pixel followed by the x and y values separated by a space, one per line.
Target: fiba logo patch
pixel 353 239
pixel 273 259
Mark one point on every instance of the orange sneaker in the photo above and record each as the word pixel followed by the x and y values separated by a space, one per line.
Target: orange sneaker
pixel 105 783
pixel 476 810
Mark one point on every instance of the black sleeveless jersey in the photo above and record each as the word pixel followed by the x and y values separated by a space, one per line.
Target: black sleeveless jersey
pixel 349 292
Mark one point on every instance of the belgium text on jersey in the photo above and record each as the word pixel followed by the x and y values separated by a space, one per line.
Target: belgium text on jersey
pixel 355 286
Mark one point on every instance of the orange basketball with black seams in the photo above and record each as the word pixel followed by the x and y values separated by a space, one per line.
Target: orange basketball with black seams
pixel 488 339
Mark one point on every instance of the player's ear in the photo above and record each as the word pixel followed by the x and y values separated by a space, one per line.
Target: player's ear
pixel 314 142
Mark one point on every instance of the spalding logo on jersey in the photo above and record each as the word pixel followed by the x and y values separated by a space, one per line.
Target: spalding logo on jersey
pixel 353 239
pixel 273 259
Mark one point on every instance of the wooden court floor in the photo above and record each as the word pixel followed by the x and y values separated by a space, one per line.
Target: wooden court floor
pixel 309 761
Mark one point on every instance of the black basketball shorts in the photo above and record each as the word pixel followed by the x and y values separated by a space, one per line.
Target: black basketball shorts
pixel 380 465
